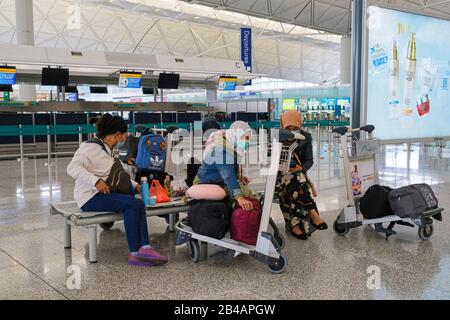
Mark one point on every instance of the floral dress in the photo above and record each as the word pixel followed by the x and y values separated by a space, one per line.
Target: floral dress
pixel 294 194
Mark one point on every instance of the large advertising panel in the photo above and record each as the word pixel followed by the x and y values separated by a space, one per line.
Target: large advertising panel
pixel 409 67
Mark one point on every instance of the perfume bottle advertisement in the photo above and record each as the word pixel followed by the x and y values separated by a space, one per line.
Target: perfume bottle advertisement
pixel 409 66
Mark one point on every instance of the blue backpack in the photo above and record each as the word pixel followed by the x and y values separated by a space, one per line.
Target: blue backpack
pixel 151 153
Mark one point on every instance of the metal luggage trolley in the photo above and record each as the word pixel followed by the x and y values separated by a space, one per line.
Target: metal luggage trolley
pixel 359 155
pixel 269 245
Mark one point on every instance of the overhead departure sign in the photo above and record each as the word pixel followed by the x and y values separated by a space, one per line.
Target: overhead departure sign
pixel 8 75
pixel 130 79
pixel 246 48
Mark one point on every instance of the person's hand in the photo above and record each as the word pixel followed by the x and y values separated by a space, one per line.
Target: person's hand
pixel 102 187
pixel 245 180
pixel 138 189
pixel 296 169
pixel 244 203
pixel 131 161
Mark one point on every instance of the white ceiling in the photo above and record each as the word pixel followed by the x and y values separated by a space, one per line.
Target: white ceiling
pixel 328 15
pixel 158 27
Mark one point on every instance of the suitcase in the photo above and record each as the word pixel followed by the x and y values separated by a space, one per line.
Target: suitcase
pixel 245 224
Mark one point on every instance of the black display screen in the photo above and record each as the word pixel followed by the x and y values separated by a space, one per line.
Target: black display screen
pixel 55 77
pixel 168 80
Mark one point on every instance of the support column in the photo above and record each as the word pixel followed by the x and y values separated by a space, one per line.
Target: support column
pixel 25 36
pixel 346 60
pixel 211 95
pixel 358 63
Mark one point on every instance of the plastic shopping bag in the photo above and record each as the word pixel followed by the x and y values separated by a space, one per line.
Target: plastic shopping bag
pixel 156 190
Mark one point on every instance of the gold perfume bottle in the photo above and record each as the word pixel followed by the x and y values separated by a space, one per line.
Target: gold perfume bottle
pixel 394 83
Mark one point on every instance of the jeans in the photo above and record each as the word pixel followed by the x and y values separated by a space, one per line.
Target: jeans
pixel 135 218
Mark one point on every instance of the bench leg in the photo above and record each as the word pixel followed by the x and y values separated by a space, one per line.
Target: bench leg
pixel 67 234
pixel 172 222
pixel 92 244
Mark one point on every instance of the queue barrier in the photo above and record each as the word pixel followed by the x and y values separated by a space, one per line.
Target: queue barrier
pixel 40 130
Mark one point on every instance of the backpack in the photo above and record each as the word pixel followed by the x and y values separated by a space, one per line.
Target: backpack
pixel 375 202
pixel 245 224
pixel 209 218
pixel 151 152
pixel 129 150
pixel 413 200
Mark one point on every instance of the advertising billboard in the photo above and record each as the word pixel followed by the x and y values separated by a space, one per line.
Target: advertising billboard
pixel 408 71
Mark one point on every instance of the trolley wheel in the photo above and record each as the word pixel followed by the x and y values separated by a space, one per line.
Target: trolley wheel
pixel 279 266
pixel 194 250
pixel 280 239
pixel 426 233
pixel 107 225
pixel 340 229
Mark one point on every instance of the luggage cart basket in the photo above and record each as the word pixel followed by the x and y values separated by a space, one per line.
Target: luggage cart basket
pixel 361 171
pixel 269 245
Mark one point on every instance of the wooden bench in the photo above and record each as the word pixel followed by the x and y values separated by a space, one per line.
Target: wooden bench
pixel 74 217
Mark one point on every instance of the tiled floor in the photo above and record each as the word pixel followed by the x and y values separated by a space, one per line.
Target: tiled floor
pixel 34 264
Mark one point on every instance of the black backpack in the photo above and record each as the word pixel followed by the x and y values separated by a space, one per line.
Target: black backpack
pixel 375 202
pixel 209 218
pixel 413 200
pixel 129 150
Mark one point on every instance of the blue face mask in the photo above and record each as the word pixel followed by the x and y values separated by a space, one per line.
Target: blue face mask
pixel 243 144
pixel 120 144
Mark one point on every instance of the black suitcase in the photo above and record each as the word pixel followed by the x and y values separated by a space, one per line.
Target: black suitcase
pixel 375 202
pixel 209 218
pixel 413 200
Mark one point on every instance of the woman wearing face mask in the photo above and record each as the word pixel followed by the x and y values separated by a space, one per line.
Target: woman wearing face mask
pixel 90 167
pixel 294 188
pixel 220 163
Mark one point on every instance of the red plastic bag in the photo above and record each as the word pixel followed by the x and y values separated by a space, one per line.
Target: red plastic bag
pixel 156 190
pixel 245 224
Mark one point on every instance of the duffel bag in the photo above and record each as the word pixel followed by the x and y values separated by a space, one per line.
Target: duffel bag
pixel 412 200
pixel 245 224
pixel 209 218
pixel 375 202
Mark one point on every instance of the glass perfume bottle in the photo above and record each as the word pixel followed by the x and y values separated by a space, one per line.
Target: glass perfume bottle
pixel 394 83
pixel 410 80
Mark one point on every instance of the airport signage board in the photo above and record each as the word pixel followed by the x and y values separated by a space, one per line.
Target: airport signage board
pixel 130 79
pixel 8 75
pixel 246 48
pixel 407 77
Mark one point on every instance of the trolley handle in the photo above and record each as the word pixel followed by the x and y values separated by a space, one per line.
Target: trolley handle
pixel 285 135
pixel 344 130
pixel 340 130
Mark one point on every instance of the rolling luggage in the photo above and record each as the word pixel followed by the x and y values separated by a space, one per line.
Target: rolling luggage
pixel 413 200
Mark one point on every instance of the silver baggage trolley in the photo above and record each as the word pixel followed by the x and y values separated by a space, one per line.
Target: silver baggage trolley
pixel 269 245
pixel 361 172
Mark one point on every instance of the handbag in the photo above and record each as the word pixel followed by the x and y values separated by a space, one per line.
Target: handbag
pixel 156 190
pixel 118 180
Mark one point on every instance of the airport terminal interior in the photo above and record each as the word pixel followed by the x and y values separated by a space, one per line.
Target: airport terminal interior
pixel 358 89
